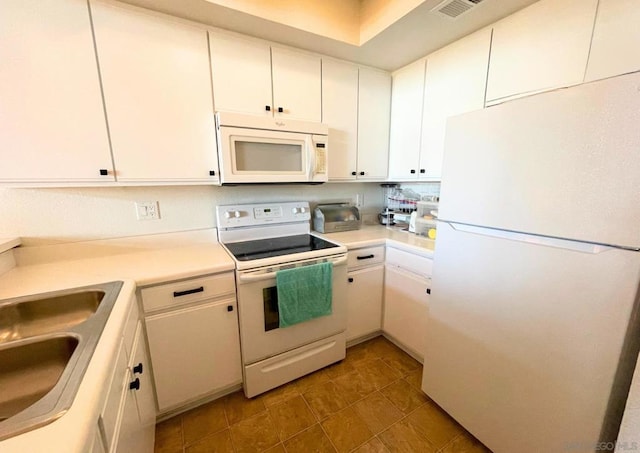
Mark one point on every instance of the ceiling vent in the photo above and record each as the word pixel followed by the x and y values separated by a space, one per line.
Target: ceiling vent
pixel 454 8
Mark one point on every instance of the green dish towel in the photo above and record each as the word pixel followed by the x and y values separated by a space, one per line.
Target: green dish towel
pixel 304 293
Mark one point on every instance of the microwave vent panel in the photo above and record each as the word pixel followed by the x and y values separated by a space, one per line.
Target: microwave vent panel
pixel 454 8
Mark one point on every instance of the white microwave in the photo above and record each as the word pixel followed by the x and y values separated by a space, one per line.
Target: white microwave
pixel 260 150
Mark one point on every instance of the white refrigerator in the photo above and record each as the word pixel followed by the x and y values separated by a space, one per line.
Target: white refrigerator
pixel 533 330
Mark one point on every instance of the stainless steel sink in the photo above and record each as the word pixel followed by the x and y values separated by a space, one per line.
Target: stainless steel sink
pixel 46 343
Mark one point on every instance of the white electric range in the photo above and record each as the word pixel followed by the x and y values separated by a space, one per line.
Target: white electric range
pixel 263 239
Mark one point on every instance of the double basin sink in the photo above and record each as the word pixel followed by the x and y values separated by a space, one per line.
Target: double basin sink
pixel 46 343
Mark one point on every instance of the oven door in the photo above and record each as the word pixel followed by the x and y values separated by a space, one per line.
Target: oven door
pixel 258 312
pixel 264 156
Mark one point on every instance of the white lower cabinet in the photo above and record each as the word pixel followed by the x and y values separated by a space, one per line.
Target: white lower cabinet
pixel 364 291
pixel 195 348
pixel 127 421
pixel 406 295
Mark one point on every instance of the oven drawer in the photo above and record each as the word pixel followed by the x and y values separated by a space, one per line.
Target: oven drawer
pixel 365 257
pixel 184 292
pixel 272 372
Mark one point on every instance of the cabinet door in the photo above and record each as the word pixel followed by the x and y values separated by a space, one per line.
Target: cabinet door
pixel 405 308
pixel 296 85
pixel 406 121
pixel 157 89
pixel 374 111
pixel 140 368
pixel 364 302
pixel 541 47
pixel 615 48
pixel 52 124
pixel 194 352
pixel 129 433
pixel 455 83
pixel 340 113
pixel 241 73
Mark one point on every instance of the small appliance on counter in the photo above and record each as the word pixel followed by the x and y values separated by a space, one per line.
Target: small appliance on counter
pixel 330 218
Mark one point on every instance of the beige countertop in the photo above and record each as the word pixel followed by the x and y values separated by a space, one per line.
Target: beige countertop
pixel 137 262
pixel 370 235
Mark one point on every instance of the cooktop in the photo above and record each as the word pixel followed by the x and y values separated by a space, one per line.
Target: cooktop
pixel 270 247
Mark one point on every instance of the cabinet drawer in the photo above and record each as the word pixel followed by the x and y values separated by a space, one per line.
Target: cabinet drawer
pixel 188 291
pixel 414 263
pixel 365 257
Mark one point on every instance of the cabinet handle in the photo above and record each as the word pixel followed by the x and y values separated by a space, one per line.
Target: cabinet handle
pixel 353 173
pixel 137 369
pixel 365 257
pixel 412 171
pixel 104 172
pixel 361 173
pixel 280 110
pixel 267 108
pixel 422 170
pixel 188 291
pixel 212 173
pixel 428 290
pixel 229 307
pixel 350 279
pixel 135 385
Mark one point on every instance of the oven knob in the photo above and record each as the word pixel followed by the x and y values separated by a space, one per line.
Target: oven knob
pixel 295 210
pixel 299 210
pixel 303 210
pixel 229 214
pixel 236 214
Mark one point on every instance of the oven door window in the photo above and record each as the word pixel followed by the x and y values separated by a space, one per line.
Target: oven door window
pixel 270 304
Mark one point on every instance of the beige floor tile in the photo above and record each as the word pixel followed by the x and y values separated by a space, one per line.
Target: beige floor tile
pixel 374 445
pixel 219 442
pixel 403 396
pixel 353 386
pixel 465 443
pixel 169 436
pixel 360 353
pixel 414 378
pixel 325 399
pixel 404 438
pixel 382 347
pixel 377 412
pixel 434 424
pixel 204 420
pixel 238 407
pixel 280 394
pixel 254 434
pixel 346 430
pixel 378 373
pixel 277 449
pixel 291 417
pixel 312 440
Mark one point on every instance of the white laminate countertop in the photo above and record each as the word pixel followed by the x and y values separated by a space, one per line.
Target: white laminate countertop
pixel 137 261
pixel 370 235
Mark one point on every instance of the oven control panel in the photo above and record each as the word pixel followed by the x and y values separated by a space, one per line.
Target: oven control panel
pixel 236 216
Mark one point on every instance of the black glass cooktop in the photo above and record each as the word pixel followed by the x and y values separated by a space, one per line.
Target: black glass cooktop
pixel 267 248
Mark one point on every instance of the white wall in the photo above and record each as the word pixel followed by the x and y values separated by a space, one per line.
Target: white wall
pixel 42 216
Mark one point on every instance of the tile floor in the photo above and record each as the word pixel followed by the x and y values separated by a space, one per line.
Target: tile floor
pixel 369 402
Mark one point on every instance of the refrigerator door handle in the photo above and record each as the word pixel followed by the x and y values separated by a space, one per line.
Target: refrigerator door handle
pixel 548 241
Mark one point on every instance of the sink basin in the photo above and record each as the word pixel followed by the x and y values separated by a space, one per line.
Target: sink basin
pixel 30 370
pixel 46 344
pixel 49 314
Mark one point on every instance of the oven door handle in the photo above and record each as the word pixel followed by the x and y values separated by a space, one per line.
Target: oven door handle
pixel 246 278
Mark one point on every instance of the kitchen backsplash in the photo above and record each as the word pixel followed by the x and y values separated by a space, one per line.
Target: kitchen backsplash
pixel 44 216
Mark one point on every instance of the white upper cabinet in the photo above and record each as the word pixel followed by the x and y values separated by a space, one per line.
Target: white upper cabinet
pixel 157 91
pixel 374 110
pixel 615 48
pixel 297 85
pixel 340 113
pixel 455 83
pixel 241 73
pixel 52 125
pixel 251 77
pixel 541 47
pixel 406 121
